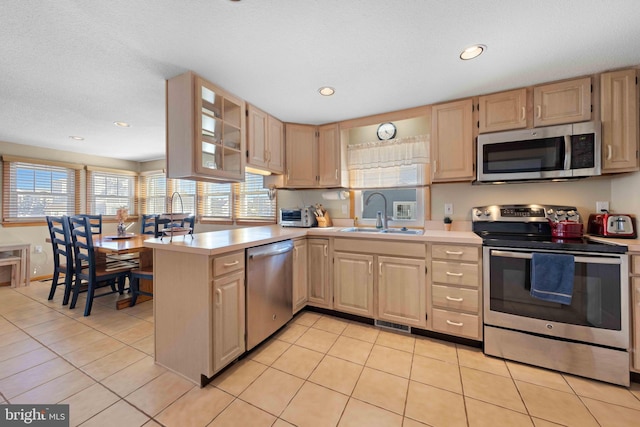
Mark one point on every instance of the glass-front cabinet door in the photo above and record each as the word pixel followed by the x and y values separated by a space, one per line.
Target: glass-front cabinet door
pixel 220 132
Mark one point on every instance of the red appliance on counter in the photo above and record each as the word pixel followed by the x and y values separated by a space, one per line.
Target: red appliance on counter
pixel 606 224
pixel 566 229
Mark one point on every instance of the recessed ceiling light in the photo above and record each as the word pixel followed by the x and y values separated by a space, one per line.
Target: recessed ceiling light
pixel 326 91
pixel 472 51
pixel 76 138
pixel 122 124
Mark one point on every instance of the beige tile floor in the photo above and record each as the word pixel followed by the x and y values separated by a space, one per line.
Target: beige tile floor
pixel 318 371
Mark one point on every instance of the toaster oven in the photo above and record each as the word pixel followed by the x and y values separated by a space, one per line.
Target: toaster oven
pixel 298 217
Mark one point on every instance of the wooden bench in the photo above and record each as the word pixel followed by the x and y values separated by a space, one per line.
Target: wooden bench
pixel 16 267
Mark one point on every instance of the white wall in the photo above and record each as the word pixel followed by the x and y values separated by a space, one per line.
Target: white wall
pixel 625 194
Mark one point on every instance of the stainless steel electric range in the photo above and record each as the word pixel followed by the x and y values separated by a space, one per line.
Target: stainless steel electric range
pixel 588 337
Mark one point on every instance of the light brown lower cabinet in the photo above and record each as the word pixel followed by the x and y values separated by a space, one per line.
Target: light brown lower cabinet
pixel 353 283
pixel 319 273
pixel 300 275
pixel 634 283
pixel 199 306
pixel 456 290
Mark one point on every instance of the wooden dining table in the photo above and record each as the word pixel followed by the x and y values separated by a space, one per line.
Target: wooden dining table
pixel 110 248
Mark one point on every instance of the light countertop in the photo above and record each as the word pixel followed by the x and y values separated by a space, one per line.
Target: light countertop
pixel 218 242
pixel 633 245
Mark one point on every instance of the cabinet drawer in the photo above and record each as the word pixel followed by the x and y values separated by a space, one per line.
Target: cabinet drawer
pixel 227 263
pixel 455 298
pixel 454 273
pixel 454 323
pixel 635 264
pixel 457 253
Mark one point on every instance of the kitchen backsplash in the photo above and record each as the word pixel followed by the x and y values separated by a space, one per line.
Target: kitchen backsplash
pixel 463 196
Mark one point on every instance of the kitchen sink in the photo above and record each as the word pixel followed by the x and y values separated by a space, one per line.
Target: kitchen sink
pixel 403 231
pixel 388 230
pixel 361 230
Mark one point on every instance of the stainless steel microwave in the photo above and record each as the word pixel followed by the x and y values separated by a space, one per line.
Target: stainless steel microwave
pixel 298 217
pixel 554 152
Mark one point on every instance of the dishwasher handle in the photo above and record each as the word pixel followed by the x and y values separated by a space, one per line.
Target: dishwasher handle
pixel 271 250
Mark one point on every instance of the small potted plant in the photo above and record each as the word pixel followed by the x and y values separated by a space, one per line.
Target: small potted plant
pixel 447 223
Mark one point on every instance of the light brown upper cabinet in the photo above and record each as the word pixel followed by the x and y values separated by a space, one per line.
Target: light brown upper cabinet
pixel 302 155
pixel 503 111
pixel 563 102
pixel 265 142
pixel 619 114
pixel 205 131
pixel 314 156
pixel 452 147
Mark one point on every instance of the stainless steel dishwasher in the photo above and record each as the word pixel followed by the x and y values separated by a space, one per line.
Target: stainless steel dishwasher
pixel 269 290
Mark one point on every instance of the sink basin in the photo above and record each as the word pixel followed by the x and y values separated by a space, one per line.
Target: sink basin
pixel 388 230
pixel 402 231
pixel 361 230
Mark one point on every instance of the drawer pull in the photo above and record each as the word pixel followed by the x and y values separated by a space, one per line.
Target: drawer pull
pixel 454 252
pixel 454 299
pixel 454 274
pixel 449 322
pixel 231 264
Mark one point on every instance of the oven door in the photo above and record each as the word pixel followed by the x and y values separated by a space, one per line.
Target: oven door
pixel 599 310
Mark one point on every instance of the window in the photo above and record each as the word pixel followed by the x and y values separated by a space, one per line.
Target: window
pixel 188 195
pixel 216 201
pixel 154 193
pixel 33 189
pixel 252 201
pixel 109 190
pixel 405 206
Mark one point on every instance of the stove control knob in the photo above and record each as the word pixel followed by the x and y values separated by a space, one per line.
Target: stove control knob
pixel 549 211
pixel 487 212
pixel 571 213
pixel 561 212
pixel 478 212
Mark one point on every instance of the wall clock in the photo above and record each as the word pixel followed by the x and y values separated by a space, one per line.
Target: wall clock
pixel 386 131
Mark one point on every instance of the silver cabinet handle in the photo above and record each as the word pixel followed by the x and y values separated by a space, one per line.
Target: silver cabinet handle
pixel 336 173
pixel 523 116
pixel 454 299
pixel 449 322
pixel 539 111
pixel 326 250
pixel 231 264
pixel 609 152
pixel 218 297
pixel 454 274
pixel 370 267
pixel 454 252
pixel 380 268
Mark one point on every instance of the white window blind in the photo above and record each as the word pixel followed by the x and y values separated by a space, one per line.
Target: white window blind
pixel 32 190
pixel 216 200
pixel 393 163
pixel 252 201
pixel 109 191
pixel 154 193
pixel 187 191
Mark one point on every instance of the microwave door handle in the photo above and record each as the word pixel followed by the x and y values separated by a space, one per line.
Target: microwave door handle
pixel 567 152
pixel 581 259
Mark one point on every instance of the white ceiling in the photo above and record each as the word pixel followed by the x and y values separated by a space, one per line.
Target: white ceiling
pixel 72 67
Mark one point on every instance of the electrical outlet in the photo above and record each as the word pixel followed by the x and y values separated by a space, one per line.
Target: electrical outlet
pixel 37 249
pixel 448 208
pixel 602 206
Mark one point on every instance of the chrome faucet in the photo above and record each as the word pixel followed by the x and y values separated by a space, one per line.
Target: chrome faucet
pixel 384 214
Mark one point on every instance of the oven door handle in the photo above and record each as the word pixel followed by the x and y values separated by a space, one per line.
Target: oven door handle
pixel 567 152
pixel 582 259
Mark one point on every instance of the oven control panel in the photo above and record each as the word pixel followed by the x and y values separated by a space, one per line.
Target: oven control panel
pixel 524 213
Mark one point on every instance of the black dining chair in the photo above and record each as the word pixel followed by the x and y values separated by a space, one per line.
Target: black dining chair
pixel 148 224
pixel 189 222
pixel 62 246
pixel 93 275
pixel 134 283
pixel 96 223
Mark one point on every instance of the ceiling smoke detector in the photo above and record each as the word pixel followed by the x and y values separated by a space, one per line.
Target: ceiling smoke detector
pixel 472 52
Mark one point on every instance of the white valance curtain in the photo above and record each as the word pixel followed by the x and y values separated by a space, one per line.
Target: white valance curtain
pixel 393 163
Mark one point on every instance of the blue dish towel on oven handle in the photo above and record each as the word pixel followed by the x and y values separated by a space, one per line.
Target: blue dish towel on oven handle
pixel 552 277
